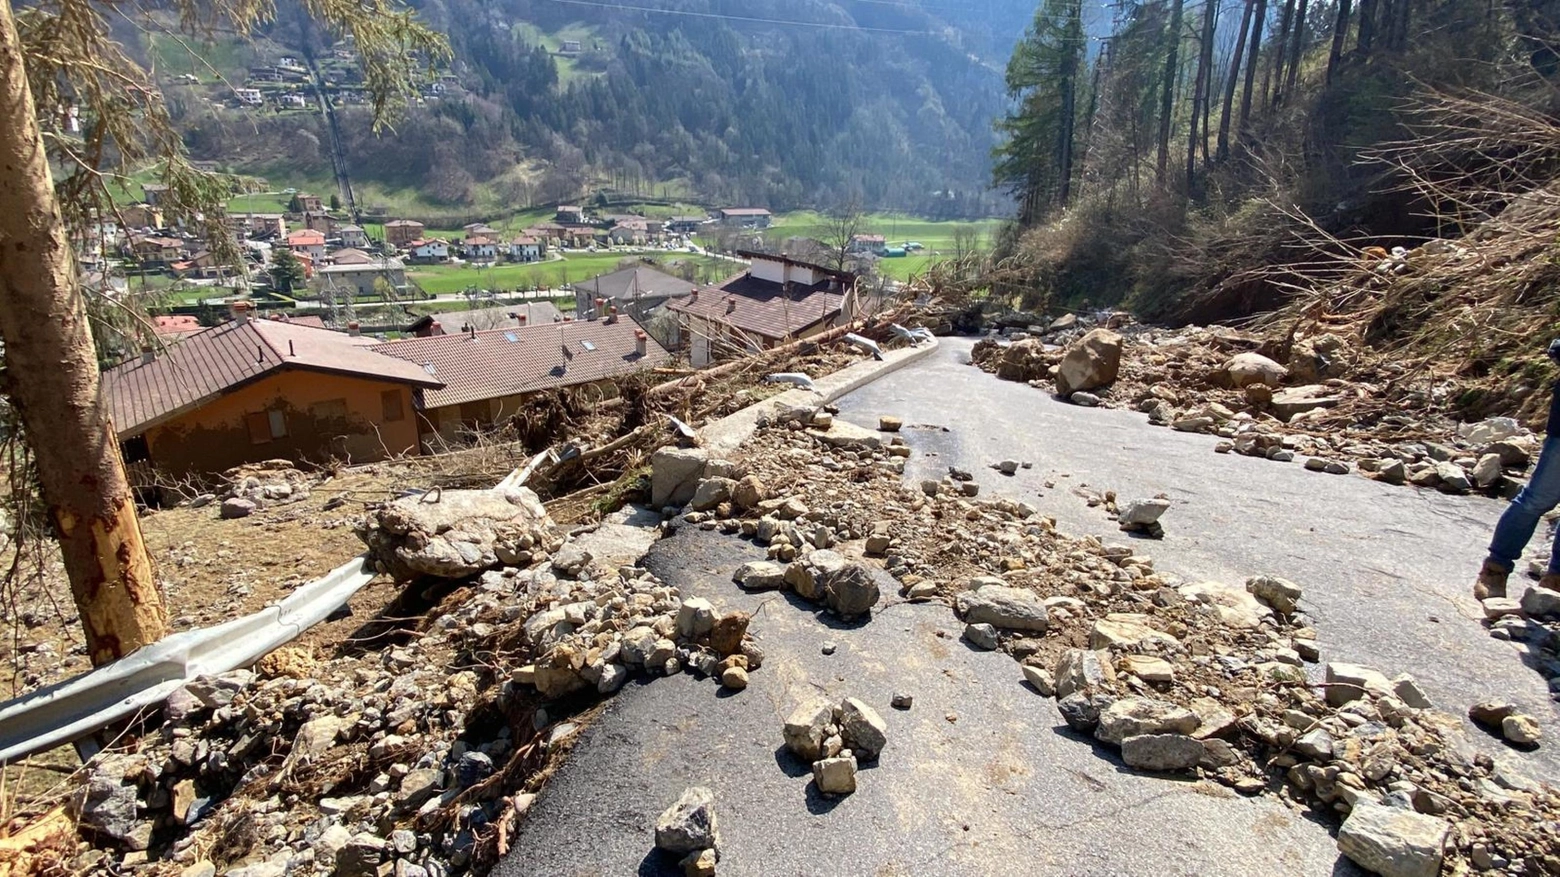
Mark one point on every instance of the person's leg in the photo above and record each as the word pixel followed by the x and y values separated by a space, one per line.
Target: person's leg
pixel 1521 518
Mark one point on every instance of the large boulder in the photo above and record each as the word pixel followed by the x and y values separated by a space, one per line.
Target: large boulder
pixel 1245 369
pixel 1003 607
pixel 1393 841
pixel 1135 716
pixel 850 591
pixel 1094 361
pixel 674 475
pixel 1162 752
pixel 807 727
pixel 1298 400
pixel 1235 607
pixel 458 533
pixel 689 824
pixel 1083 670
pixel 711 492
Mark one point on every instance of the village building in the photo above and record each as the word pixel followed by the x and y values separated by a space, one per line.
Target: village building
pixel 400 232
pixel 307 242
pixel 156 251
pixel 259 225
pixel 172 327
pixel 527 249
pixel 309 203
pixel 744 217
pixel 875 244
pixel 487 376
pixel 362 280
pixel 351 256
pixel 779 299
pixel 570 214
pixel 319 221
pixel 154 193
pixel 685 224
pixel 353 236
pixel 639 291
pixel 515 316
pixel 428 252
pixel 480 248
pixel 141 216
pixel 251 389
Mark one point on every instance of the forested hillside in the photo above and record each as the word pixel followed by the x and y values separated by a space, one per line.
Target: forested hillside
pixel 772 102
pixel 1215 158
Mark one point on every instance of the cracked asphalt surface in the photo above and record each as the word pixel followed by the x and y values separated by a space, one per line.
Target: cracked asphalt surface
pixel 982 776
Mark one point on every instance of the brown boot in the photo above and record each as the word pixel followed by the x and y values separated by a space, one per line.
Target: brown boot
pixel 1550 580
pixel 1491 583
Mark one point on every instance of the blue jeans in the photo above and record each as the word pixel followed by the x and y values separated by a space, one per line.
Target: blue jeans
pixel 1521 518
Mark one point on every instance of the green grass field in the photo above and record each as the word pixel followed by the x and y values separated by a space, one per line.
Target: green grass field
pixel 937 236
pixel 444 279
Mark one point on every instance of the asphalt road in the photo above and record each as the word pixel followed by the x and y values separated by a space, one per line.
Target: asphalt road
pixel 981 776
pixel 1387 571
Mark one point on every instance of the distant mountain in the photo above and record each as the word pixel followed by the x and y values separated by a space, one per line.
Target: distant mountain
pixel 783 103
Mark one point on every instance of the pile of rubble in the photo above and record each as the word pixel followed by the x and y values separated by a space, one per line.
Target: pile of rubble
pixel 1198 677
pixel 833 737
pixel 420 761
pixel 258 485
pixel 1321 398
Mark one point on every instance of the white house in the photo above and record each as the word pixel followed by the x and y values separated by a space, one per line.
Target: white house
pixel 434 250
pixel 525 249
pixel 250 97
pixel 354 236
pixel 480 248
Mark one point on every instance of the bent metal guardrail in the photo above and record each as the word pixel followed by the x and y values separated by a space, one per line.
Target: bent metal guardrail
pixel 69 710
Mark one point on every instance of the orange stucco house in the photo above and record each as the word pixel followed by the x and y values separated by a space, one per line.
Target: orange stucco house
pixel 249 390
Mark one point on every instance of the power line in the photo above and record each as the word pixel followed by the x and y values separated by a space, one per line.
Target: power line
pixel 780 21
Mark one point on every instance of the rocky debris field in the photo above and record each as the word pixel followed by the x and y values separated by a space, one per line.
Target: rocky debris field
pixel 415 751
pixel 1323 400
pixel 1200 678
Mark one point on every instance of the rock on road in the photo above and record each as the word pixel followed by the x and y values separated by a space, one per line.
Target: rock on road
pixel 982 776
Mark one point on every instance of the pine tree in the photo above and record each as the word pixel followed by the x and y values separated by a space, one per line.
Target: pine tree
pixel 1035 159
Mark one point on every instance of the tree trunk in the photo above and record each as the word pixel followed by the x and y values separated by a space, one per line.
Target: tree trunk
pixel 52 378
pixel 1070 61
pixel 1340 30
pixel 1167 95
pixel 1295 46
pixel 1254 53
pixel 1275 75
pixel 1200 94
pixel 1232 81
pixel 1367 36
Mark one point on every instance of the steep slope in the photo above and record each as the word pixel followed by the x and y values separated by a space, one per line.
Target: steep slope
pixel 781 104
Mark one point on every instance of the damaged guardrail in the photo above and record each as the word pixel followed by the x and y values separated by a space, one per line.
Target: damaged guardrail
pixel 69 710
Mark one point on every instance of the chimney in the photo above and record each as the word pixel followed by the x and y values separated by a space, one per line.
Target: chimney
pixel 148 354
pixel 694 296
pixel 612 315
pixel 354 329
pixel 436 328
pixel 639 341
pixel 520 318
pixel 601 307
pixel 240 311
pixel 731 304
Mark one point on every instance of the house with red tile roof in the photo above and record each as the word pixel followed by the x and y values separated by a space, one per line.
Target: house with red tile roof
pixel 778 299
pixel 488 375
pixel 307 242
pixel 253 389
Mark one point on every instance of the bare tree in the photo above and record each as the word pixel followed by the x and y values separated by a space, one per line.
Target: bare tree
pixel 63 55
pixel 838 233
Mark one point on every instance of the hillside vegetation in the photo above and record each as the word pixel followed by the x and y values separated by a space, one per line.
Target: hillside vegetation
pixel 1224 159
pixel 780 104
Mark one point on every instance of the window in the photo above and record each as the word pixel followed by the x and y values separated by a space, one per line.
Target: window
pixel 259 427
pixel 135 449
pixel 330 409
pixel 587 345
pixel 391 407
pixel 278 423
